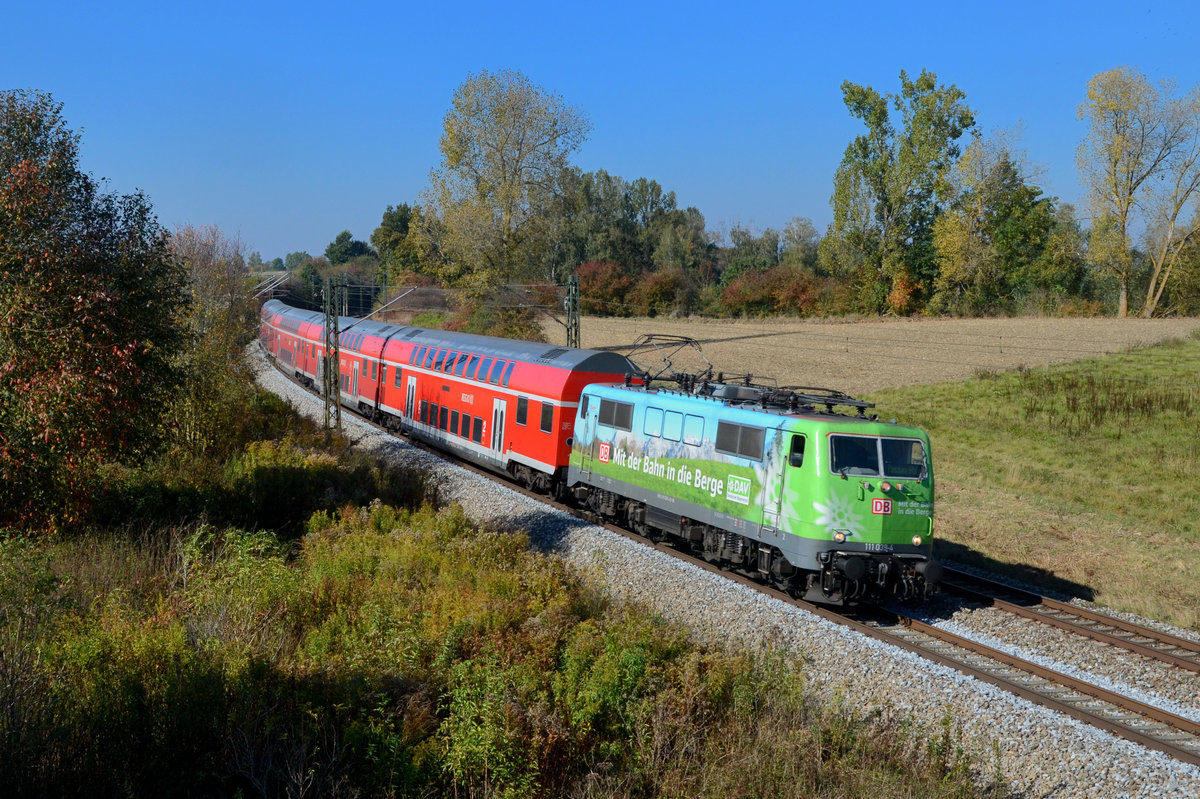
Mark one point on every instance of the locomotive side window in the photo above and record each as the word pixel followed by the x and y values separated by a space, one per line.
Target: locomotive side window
pixel 616 414
pixel 522 410
pixel 743 440
pixel 653 423
pixel 854 455
pixel 796 456
pixel 693 430
pixel 903 457
pixel 672 426
pixel 547 424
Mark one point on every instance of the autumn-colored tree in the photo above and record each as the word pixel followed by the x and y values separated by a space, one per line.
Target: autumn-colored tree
pixel 1141 159
pixel 90 298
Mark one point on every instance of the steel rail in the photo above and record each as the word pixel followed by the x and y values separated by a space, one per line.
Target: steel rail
pixel 1179 652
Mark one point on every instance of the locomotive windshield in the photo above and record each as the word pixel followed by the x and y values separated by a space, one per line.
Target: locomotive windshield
pixel 861 455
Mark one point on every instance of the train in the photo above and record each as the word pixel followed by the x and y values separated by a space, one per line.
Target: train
pixel 796 486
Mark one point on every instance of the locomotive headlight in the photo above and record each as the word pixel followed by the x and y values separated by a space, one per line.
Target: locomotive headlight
pixel 885 487
pixel 917 540
pixel 839 537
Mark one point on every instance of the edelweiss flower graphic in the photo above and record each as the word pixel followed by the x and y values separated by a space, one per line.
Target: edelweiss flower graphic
pixel 837 515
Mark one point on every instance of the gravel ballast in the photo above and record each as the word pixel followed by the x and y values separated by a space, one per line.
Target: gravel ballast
pixel 1041 753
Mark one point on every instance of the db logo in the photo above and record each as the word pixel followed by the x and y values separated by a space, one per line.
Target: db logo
pixel 606 452
pixel 881 507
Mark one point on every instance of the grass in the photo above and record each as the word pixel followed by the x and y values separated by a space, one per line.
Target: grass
pixel 401 653
pixel 1074 475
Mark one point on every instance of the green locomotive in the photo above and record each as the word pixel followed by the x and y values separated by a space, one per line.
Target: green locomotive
pixel 836 507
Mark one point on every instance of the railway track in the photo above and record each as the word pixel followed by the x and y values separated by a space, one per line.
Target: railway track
pixel 1120 715
pixel 1144 641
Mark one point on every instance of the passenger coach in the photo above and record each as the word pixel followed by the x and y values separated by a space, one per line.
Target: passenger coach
pixel 504 404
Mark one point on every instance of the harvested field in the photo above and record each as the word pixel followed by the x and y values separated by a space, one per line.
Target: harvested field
pixel 860 357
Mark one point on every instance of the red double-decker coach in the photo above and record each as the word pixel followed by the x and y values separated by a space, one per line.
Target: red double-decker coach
pixel 504 404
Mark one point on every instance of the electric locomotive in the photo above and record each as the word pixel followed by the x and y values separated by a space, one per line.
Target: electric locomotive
pixel 774 482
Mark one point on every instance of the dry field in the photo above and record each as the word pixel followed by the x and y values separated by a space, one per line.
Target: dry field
pixel 860 357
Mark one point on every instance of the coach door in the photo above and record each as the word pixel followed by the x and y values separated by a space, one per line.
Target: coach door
pixel 410 398
pixel 354 381
pixel 498 408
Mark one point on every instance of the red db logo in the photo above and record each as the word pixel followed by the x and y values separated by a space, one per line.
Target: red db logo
pixel 605 452
pixel 881 507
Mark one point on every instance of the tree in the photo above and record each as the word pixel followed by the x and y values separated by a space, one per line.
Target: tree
pixel 994 230
pixel 220 319
pixel 90 299
pixel 255 264
pixel 395 240
pixel 505 144
pixel 345 248
pixel 1140 159
pixel 892 183
pixel 295 260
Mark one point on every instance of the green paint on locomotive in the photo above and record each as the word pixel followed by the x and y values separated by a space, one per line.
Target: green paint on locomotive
pixel 866 481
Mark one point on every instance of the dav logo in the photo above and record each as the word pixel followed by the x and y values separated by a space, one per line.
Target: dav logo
pixel 605 451
pixel 738 489
pixel 881 507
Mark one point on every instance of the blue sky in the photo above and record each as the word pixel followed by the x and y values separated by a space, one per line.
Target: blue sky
pixel 286 123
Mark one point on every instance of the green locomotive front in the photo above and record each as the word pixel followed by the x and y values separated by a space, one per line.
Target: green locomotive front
pixel 832 506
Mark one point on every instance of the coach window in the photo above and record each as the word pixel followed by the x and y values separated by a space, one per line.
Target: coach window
pixel 522 410
pixel 796 456
pixel 652 426
pixel 454 422
pixel 450 359
pixel 424 411
pixel 693 430
pixel 483 370
pixel 497 368
pixel 673 426
pixel 583 403
pixel 508 373
pixel 471 364
pixel 398 371
pixel 462 364
pixel 416 355
pixel 441 359
pixel 477 430
pixel 547 425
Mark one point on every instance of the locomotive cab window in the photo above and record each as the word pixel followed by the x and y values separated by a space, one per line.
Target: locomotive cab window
pixel 796 455
pixel 854 455
pixel 903 457
pixel 616 414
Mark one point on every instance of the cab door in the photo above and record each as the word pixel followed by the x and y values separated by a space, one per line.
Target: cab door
pixel 786 482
